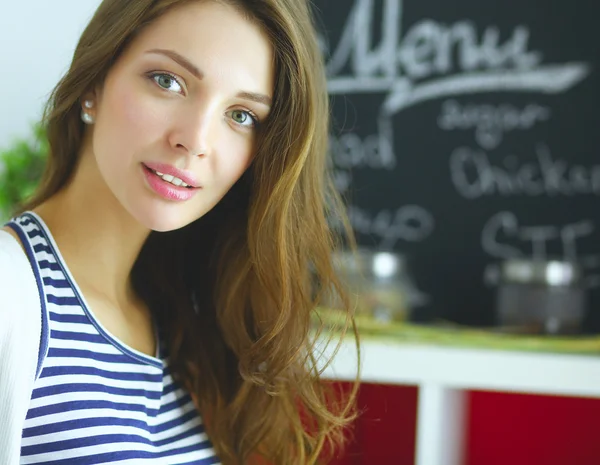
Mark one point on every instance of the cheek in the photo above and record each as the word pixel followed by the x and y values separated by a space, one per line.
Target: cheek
pixel 130 119
pixel 237 157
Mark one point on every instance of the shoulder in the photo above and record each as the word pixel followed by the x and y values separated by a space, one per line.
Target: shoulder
pixel 17 281
pixel 20 307
pixel 12 255
pixel 9 239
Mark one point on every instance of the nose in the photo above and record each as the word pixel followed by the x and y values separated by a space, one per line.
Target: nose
pixel 193 130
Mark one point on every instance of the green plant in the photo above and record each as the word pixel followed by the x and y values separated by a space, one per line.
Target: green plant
pixel 21 168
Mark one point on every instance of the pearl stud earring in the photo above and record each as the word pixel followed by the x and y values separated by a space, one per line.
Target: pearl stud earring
pixel 86 117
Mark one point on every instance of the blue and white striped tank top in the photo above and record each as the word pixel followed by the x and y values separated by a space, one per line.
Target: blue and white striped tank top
pixel 95 400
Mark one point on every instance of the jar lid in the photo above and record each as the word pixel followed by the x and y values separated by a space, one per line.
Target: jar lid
pixel 366 262
pixel 546 272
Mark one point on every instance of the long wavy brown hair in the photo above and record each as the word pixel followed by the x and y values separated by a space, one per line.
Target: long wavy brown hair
pixel 236 311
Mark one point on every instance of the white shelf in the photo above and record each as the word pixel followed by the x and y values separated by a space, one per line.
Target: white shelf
pixel 444 373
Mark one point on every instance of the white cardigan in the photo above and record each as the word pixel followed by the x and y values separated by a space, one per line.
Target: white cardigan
pixel 20 332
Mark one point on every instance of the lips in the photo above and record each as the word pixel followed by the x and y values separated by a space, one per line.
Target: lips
pixel 171 179
pixel 186 176
pixel 165 189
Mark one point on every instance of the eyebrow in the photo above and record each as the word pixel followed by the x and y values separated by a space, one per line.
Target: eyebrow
pixel 195 71
pixel 179 59
pixel 254 97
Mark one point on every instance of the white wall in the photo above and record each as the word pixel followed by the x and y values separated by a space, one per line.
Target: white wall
pixel 37 40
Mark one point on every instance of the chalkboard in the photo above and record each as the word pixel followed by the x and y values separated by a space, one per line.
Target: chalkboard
pixel 467 132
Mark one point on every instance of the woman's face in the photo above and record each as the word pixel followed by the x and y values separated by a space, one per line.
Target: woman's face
pixel 185 99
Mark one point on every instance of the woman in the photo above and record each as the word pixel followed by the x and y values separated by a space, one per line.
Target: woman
pixel 176 240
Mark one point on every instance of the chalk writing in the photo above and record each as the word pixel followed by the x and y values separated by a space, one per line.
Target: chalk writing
pixel 410 223
pixel 504 237
pixel 490 122
pixel 351 151
pixel 474 175
pixel 432 60
pixel 432 50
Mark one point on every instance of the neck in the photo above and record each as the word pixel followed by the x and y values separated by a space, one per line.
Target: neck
pixel 98 239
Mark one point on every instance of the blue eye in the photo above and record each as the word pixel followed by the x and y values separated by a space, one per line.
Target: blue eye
pixel 167 81
pixel 244 118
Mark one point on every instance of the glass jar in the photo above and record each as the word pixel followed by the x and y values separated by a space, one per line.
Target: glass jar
pixel 541 296
pixel 378 283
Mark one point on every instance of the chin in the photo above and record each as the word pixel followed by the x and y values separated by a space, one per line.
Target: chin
pixel 163 219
